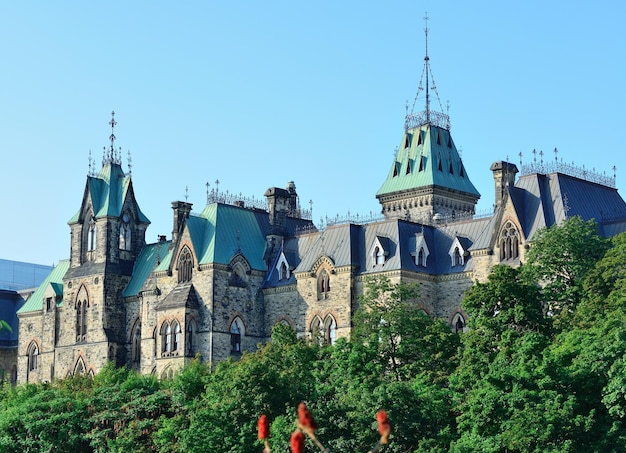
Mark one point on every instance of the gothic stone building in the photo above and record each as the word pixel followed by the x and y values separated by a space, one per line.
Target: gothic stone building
pixel 230 273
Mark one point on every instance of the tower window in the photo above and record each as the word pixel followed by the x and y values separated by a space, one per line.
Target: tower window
pixel 323 284
pixel 92 235
pixel 236 328
pixel 125 234
pixel 81 306
pixel 509 242
pixel 33 356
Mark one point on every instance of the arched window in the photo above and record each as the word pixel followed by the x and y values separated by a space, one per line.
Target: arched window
pixel 316 331
pixel 79 369
pixel 92 235
pixel 136 343
pixel 379 255
pixel 81 306
pixel 509 242
pixel 283 271
pixel 125 234
pixel 236 329
pixel 458 261
pixel 166 338
pixel 458 323
pixel 33 356
pixel 176 337
pixel 323 284
pixel 330 330
pixel 189 339
pixel 185 265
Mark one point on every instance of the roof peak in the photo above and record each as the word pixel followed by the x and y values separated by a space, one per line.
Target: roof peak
pixel 427 116
pixel 110 156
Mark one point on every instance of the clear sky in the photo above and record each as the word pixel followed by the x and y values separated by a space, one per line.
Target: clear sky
pixel 255 94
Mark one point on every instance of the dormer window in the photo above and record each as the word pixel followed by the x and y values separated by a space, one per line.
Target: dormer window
pixel 323 285
pixel 457 253
pixel 422 163
pixel 421 250
pixel 282 266
pixel 379 251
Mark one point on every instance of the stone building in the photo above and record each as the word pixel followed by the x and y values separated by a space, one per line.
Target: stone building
pixel 230 273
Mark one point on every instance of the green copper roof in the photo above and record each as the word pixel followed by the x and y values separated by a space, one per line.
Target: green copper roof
pixel 54 279
pixel 151 256
pixel 427 157
pixel 221 231
pixel 108 192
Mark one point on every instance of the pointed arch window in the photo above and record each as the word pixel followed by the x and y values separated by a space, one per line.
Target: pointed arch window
pixel 458 259
pixel 422 163
pixel 125 234
pixel 283 271
pixel 316 330
pixel 236 330
pixel 323 284
pixel 440 165
pixel 81 307
pixel 509 242
pixel 185 265
pixel 33 356
pixel 379 255
pixel 80 369
pixel 166 338
pixel 136 343
pixel 330 330
pixel 458 323
pixel 93 236
pixel 419 138
pixel 190 339
pixel 176 336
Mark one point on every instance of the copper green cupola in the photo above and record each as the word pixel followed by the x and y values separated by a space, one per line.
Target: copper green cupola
pixel 427 180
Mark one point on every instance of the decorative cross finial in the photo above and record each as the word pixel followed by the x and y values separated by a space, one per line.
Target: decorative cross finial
pixel 207 192
pixel 130 165
pixel 541 156
pixel 556 155
pixel 520 159
pixel 90 165
pixel 535 155
pixel 186 193
pixel 112 136
pixel 427 68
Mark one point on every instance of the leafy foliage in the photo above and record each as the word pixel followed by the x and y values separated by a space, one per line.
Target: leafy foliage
pixel 521 379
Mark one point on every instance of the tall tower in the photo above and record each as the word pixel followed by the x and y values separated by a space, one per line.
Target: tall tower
pixel 107 235
pixel 427 179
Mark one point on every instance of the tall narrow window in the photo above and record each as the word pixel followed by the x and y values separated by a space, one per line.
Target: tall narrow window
pixel 283 271
pixel 509 242
pixel 92 235
pixel 323 284
pixel 236 327
pixel 81 306
pixel 457 257
pixel 185 265
pixel 33 356
pixel 189 339
pixel 176 338
pixel 136 343
pixel 125 234
pixel 168 338
pixel 330 330
pixel 317 332
pixel 420 258
pixel 379 255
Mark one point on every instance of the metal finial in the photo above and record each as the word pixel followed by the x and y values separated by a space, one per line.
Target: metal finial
pixel 90 171
pixel 520 159
pixel 207 192
pixel 541 156
pixel 535 155
pixel 427 69
pixel 112 137
pixel 217 186
pixel 186 193
pixel 130 165
pixel 556 155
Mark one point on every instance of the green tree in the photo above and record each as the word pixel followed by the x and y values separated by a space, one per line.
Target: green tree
pixel 559 259
pixel 406 340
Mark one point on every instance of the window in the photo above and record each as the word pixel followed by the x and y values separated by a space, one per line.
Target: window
pixel 176 337
pixel 125 234
pixel 509 242
pixel 92 235
pixel 79 369
pixel 379 255
pixel 458 260
pixel 282 266
pixel 136 343
pixel 167 339
pixel 323 284
pixel 185 265
pixel 316 331
pixel 81 306
pixel 236 328
pixel 189 339
pixel 458 323
pixel 422 163
pixel 330 330
pixel 33 356
pixel 283 271
pixel 48 303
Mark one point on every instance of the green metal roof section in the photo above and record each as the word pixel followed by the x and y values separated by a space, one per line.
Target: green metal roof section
pixel 54 279
pixel 108 192
pixel 150 257
pixel 427 157
pixel 221 231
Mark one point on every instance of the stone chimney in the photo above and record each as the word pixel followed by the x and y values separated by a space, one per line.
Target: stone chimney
pixel 503 176
pixel 278 203
pixel 294 209
pixel 181 213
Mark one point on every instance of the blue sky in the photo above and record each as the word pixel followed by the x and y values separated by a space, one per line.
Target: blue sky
pixel 255 94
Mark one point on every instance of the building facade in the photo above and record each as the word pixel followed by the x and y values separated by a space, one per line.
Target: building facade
pixel 228 274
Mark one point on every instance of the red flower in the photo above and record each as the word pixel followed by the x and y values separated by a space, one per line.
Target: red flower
pixel 384 426
pixel 305 418
pixel 297 442
pixel 264 427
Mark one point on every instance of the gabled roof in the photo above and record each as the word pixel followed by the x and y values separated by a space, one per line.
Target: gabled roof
pixel 184 295
pixel 427 157
pixel 54 279
pixel 108 191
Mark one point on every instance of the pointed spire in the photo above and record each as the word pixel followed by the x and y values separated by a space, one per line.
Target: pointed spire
pixel 416 119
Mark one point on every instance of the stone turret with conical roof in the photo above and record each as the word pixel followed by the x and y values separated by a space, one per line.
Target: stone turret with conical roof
pixel 427 179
